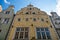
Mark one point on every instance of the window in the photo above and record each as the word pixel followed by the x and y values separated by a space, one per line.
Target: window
pixel 34 19
pixel 0 18
pixel 46 21
pixel 51 26
pixel 38 35
pixel 42 29
pixel 26 34
pixel 2 21
pixel 56 23
pixel 43 33
pixel 38 29
pixel 18 29
pixel 30 8
pixel 21 33
pixel 48 35
pixel 6 20
pixel 58 31
pixel 42 19
pixel 26 19
pixel 7 12
pixel 59 22
pixel 31 24
pixel 16 35
pixel 0 30
pixel 27 13
pixel 46 29
pixel 18 19
pixel 33 13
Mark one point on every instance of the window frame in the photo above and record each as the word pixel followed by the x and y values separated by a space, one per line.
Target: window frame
pixel 27 13
pixel 23 32
pixel 42 31
pixel 19 19
pixel 7 12
pixel 6 20
pixel 0 18
pixel 27 19
pixel 34 19
pixel 33 13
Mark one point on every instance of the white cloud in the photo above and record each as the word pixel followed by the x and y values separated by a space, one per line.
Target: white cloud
pixel 6 2
pixel 58 7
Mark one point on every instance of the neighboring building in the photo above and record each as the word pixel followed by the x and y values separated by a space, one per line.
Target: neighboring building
pixel 30 23
pixel 0 8
pixel 6 18
pixel 56 22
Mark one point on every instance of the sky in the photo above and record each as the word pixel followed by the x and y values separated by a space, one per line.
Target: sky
pixel 44 5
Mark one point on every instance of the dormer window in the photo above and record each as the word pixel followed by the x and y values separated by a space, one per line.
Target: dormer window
pixel 7 12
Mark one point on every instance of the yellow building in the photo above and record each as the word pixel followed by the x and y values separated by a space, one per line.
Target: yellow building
pixel 0 8
pixel 30 23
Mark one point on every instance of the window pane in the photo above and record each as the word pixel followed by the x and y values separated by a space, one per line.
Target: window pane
pixel 42 29
pixel 22 29
pixel 26 34
pixel 26 29
pixel 7 12
pixel 48 35
pixel 21 35
pixel 58 32
pixel 38 35
pixel 43 35
pixel 38 29
pixel 6 20
pixel 16 35
pixel 46 29
pixel 18 29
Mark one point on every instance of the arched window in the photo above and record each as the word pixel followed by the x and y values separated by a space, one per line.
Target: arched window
pixel 33 13
pixel 27 13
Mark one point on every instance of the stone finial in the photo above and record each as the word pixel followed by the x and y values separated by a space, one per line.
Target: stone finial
pixel 30 5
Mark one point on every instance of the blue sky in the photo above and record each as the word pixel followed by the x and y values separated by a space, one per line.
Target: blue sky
pixel 45 5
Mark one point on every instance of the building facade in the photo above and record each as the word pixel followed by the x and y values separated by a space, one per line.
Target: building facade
pixel 6 18
pixel 0 8
pixel 56 22
pixel 30 23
